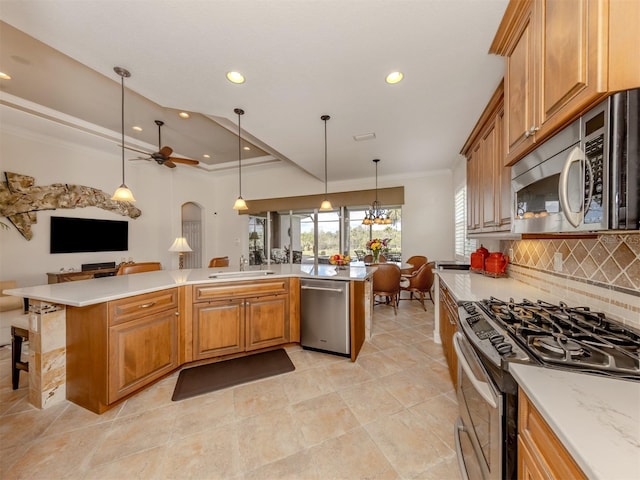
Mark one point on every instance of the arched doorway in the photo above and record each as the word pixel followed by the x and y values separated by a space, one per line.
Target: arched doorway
pixel 192 231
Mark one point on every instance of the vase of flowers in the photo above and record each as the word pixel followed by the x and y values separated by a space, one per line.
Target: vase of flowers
pixel 375 246
pixel 339 260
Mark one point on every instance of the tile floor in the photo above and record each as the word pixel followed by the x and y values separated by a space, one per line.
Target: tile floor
pixel 389 415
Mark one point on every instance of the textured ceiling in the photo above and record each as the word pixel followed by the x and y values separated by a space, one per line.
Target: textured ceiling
pixel 301 59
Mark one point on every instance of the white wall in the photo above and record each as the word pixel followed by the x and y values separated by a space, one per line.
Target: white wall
pixel 160 192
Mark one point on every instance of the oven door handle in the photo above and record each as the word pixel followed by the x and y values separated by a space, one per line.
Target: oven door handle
pixel 574 218
pixel 481 387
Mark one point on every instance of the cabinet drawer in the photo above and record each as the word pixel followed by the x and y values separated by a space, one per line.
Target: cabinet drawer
pixel 141 305
pixel 217 291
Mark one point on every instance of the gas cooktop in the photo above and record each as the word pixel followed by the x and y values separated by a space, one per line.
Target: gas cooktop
pixel 559 336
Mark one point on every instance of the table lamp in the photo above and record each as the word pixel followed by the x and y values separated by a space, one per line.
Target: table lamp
pixel 180 245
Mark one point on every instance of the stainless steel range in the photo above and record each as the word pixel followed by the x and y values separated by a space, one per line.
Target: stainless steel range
pixel 495 333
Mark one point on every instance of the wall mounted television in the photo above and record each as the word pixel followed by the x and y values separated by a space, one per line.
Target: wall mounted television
pixel 72 235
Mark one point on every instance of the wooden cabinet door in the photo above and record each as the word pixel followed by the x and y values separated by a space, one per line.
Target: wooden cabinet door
pixel 489 177
pixel 218 328
pixel 266 321
pixel 572 57
pixel 503 198
pixel 520 84
pixel 473 188
pixel 448 327
pixel 141 351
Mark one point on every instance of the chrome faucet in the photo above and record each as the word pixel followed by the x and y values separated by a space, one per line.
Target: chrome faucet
pixel 243 261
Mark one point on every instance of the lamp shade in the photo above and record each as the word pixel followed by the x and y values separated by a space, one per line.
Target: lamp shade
pixel 180 245
pixel 254 236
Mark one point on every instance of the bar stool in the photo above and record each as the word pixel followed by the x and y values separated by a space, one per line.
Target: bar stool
pixel 18 336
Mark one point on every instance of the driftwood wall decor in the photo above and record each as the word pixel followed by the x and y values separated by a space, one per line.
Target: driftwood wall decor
pixel 20 200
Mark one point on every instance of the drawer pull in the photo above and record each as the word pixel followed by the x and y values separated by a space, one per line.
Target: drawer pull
pixel 147 305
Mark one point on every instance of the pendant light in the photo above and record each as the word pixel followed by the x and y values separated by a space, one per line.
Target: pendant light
pixel 376 214
pixel 326 204
pixel 122 194
pixel 240 204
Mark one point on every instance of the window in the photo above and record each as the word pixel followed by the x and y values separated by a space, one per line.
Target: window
pixel 310 236
pixel 463 246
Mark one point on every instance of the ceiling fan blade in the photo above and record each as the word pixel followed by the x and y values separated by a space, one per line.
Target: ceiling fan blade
pixel 185 161
pixel 136 150
pixel 169 164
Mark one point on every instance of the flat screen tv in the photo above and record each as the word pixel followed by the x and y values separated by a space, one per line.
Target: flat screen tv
pixel 71 235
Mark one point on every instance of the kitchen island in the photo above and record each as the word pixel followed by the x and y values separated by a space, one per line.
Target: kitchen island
pixel 97 341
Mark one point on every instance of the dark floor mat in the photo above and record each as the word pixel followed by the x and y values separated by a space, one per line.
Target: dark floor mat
pixel 215 376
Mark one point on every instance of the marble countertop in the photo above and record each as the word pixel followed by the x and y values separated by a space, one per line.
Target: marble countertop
pixel 89 292
pixel 466 285
pixel 596 418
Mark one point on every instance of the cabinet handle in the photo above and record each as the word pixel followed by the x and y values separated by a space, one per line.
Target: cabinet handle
pixel 531 131
pixel 147 305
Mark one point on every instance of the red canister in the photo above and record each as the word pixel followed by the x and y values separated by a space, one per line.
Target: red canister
pixel 478 258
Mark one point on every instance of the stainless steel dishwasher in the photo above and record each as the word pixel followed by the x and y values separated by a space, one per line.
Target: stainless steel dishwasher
pixel 324 316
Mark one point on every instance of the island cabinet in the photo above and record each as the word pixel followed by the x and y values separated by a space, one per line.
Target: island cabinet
pixel 238 317
pixel 448 327
pixel 562 56
pixel 541 455
pixel 116 348
pixel 488 180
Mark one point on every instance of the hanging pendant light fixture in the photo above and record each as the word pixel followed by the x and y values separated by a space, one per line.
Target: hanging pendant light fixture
pixel 326 204
pixel 122 194
pixel 376 214
pixel 240 203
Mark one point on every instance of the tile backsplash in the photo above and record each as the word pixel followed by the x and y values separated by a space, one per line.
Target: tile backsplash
pixel 610 260
pixel 602 273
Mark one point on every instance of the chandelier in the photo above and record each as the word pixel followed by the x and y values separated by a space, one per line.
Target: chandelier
pixel 376 214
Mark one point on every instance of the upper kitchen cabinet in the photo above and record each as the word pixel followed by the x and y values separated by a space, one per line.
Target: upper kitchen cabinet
pixel 488 179
pixel 562 56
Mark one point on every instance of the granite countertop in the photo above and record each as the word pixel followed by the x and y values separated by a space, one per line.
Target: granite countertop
pixel 89 292
pixel 596 418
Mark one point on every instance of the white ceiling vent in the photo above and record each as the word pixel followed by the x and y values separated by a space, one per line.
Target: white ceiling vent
pixel 364 136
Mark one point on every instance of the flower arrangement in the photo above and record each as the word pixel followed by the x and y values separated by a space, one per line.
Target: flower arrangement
pixel 377 245
pixel 339 259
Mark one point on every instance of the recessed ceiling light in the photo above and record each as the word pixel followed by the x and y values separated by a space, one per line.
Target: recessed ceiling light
pixel 246 148
pixel 394 77
pixel 5 76
pixel 206 155
pixel 235 77
pixel 136 128
pixel 364 136
pixel 183 115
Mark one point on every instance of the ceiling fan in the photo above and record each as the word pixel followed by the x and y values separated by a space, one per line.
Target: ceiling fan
pixel 163 155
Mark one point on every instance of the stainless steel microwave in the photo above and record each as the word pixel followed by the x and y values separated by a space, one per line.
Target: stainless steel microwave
pixel 585 178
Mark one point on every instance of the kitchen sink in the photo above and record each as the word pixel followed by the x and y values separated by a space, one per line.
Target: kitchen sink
pixel 249 274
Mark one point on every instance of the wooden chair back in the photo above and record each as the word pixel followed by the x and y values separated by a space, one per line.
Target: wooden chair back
pixel 420 284
pixel 219 262
pixel 368 258
pixel 129 268
pixel 417 261
pixel 386 283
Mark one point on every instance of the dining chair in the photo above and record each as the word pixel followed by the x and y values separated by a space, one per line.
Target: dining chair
pixel 369 258
pixel 386 283
pixel 219 262
pixel 129 268
pixel 419 283
pixel 416 262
